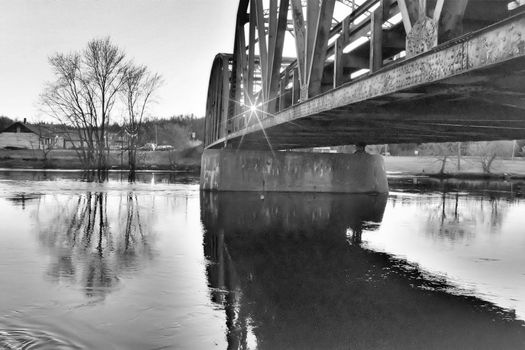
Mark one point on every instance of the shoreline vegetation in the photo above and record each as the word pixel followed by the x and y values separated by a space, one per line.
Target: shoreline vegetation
pixel 470 167
pixel 188 160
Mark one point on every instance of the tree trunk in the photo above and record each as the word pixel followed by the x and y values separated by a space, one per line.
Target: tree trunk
pixel 132 159
pixel 443 165
pixel 459 157
pixel 489 163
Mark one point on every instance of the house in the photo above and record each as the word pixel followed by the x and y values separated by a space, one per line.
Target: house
pixel 21 135
pixel 71 141
pixel 67 139
pixel 64 137
pixel 117 140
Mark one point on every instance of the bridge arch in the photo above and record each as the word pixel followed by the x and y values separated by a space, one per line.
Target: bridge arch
pixel 217 102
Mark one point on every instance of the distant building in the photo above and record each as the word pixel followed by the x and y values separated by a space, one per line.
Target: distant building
pixel 20 135
pixel 69 140
pixel 117 140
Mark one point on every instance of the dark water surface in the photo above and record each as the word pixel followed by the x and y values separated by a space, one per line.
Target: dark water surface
pixel 158 265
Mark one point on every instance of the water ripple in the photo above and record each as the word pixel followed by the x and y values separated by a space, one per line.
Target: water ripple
pixel 28 339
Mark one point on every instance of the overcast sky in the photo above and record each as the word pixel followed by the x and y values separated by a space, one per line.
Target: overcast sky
pixel 176 38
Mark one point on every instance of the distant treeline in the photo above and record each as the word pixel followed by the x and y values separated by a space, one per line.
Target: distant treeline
pixel 176 130
pixel 5 122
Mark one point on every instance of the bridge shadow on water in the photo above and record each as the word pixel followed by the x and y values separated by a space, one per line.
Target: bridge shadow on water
pixel 290 273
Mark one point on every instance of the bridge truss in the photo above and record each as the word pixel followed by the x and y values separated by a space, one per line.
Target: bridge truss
pixel 288 52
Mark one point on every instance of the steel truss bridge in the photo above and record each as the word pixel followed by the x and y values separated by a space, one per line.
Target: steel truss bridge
pixel 326 72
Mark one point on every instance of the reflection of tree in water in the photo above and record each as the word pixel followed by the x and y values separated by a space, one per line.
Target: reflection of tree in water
pixel 20 199
pixel 457 217
pixel 93 245
pixel 463 208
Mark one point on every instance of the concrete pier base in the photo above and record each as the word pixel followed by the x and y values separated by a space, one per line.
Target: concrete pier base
pixel 247 170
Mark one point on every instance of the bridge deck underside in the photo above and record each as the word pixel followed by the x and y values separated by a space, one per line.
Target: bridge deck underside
pixel 470 90
pixel 457 109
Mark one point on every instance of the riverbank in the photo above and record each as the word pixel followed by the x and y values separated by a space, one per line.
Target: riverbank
pixel 183 160
pixel 470 167
pixel 189 160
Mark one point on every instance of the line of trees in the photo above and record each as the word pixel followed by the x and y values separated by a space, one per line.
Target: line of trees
pixel 485 151
pixel 5 122
pixel 90 85
pixel 175 131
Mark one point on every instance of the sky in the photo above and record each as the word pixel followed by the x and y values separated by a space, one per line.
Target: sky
pixel 175 38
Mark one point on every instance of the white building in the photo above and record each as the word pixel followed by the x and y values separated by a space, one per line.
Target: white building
pixel 22 136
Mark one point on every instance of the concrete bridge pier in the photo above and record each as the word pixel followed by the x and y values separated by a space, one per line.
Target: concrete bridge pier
pixel 250 170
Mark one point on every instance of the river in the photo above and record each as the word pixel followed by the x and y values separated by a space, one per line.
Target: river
pixel 159 265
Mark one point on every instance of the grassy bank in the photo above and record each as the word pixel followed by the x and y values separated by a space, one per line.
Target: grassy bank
pixel 187 159
pixel 470 167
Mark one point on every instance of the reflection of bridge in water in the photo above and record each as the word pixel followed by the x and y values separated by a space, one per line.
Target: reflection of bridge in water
pixel 310 73
pixel 290 273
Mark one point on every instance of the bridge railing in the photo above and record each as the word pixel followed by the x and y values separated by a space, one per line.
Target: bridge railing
pixel 257 82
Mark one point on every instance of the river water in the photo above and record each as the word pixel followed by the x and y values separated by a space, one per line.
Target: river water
pixel 159 265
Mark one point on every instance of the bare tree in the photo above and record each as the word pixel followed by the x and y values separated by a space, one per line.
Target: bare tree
pixel 66 100
pixel 441 151
pixel 137 93
pixel 487 152
pixel 84 93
